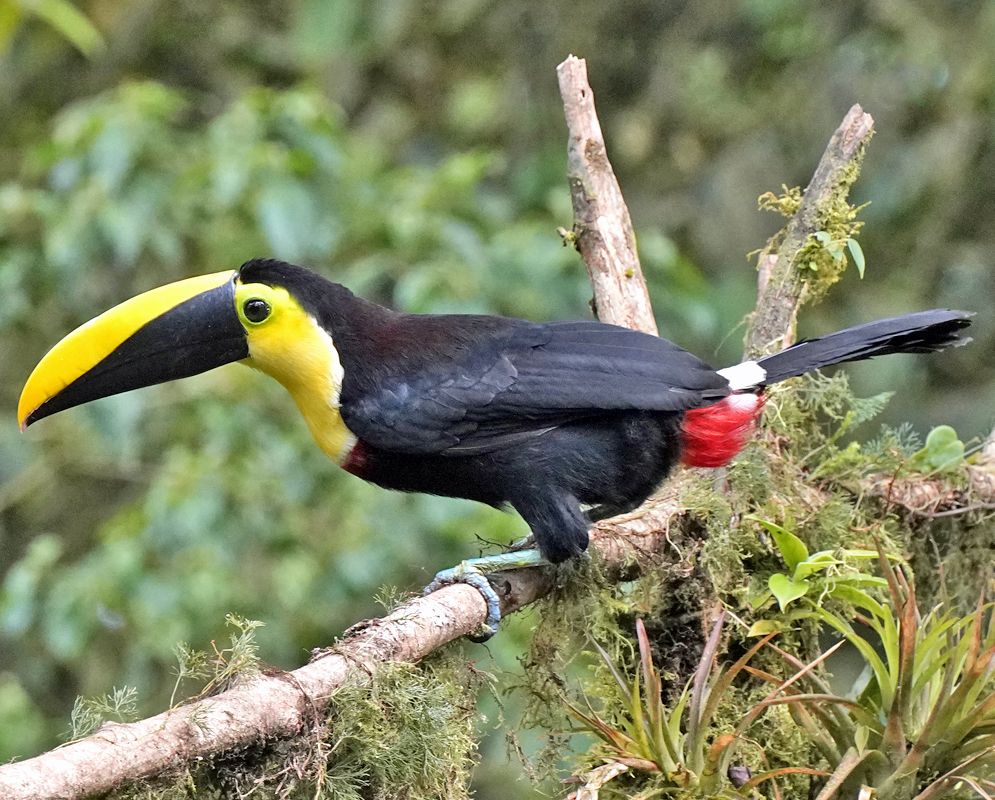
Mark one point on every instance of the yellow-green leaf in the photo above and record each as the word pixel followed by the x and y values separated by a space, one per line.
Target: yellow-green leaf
pixel 764 626
pixel 793 549
pixel 816 563
pixel 858 256
pixel 70 22
pixel 786 590
pixel 943 451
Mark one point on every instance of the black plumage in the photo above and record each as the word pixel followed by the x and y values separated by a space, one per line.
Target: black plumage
pixel 919 332
pixel 542 417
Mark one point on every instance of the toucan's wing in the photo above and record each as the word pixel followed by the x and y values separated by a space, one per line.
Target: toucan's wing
pixel 522 381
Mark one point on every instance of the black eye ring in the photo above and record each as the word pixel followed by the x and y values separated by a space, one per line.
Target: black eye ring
pixel 255 310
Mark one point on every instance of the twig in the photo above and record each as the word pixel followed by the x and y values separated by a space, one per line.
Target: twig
pixel 964 510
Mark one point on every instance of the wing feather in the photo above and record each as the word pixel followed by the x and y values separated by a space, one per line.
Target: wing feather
pixel 520 382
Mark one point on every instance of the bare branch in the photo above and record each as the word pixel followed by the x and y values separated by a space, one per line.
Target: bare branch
pixel 602 229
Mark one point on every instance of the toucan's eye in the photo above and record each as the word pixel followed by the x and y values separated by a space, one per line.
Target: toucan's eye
pixel 256 310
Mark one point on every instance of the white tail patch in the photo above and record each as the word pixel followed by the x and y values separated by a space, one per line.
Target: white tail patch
pixel 747 375
pixel 747 402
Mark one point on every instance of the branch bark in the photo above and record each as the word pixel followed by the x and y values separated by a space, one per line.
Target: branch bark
pixel 602 229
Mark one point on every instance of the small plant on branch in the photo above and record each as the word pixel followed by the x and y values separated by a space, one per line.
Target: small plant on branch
pixel 827 573
pixel 679 746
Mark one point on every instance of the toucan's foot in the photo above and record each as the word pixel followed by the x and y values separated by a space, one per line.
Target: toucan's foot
pixel 464 573
pixel 473 572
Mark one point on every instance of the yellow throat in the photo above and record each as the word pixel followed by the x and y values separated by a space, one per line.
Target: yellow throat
pixel 292 347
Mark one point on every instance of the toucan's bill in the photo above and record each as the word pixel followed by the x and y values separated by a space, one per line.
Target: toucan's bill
pixel 175 331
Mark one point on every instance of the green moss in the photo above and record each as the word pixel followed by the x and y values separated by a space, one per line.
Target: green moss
pixel 786 204
pixel 408 734
pixel 821 258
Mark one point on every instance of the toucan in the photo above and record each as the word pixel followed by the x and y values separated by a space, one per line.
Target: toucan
pixel 566 422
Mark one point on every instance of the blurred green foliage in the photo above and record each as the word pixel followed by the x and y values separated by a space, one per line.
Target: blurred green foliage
pixel 413 150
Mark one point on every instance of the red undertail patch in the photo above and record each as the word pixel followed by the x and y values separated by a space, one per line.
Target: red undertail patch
pixel 712 436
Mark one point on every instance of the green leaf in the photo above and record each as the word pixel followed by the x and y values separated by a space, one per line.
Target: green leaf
pixel 822 236
pixel 943 451
pixel 860 554
pixel 764 626
pixel 793 549
pixel 816 563
pixel 757 601
pixel 10 17
pixel 861 579
pixel 786 590
pixel 858 256
pixel 70 22
pixel 860 737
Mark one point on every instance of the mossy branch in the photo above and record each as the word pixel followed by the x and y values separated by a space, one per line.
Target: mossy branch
pixel 270 707
pixel 785 277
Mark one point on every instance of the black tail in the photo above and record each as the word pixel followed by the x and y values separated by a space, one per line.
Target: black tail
pixel 922 332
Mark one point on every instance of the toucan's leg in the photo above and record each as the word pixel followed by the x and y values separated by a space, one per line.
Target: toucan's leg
pixel 473 572
pixel 559 528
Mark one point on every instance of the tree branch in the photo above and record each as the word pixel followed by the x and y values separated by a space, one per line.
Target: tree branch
pixel 263 708
pixel 780 286
pixel 602 230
